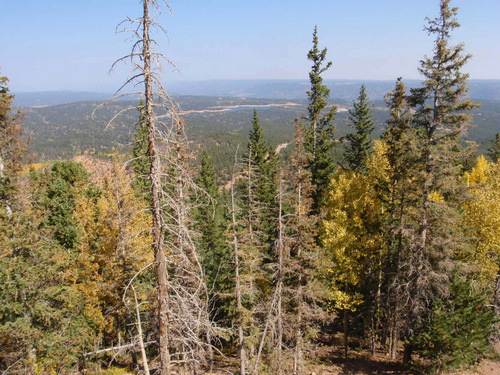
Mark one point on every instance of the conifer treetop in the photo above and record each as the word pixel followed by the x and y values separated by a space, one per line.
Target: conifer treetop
pixel 360 142
pixel 445 85
pixel 319 91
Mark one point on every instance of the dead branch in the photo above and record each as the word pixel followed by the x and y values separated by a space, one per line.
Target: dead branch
pixel 114 348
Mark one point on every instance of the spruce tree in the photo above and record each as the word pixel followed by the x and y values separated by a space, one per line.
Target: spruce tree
pixel 303 295
pixel 13 147
pixel 441 116
pixel 399 196
pixel 44 321
pixel 319 130
pixel 59 187
pixel 359 143
pixel 261 163
pixel 210 222
pixel 458 329
pixel 494 150
pixel 140 159
pixel 49 306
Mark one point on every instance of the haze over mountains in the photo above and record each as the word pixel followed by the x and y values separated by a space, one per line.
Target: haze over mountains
pixel 269 89
pixel 218 113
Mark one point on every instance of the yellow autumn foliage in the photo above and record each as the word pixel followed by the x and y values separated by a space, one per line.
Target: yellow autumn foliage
pixel 114 246
pixel 482 215
pixel 478 174
pixel 436 197
pixel 350 230
pixel 86 273
pixel 124 246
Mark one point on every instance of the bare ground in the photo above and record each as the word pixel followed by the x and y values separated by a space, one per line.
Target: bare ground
pixel 328 360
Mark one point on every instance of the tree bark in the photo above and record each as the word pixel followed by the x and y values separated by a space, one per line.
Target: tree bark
pixel 154 175
pixel 139 334
pixel 346 339
pixel 239 304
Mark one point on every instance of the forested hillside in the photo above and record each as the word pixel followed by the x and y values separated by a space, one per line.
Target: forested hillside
pixel 213 124
pixel 342 89
pixel 187 242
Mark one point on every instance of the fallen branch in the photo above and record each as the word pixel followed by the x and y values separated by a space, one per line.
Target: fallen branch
pixel 132 345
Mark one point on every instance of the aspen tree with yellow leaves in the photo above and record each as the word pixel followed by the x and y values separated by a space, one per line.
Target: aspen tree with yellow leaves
pixel 352 238
pixel 483 217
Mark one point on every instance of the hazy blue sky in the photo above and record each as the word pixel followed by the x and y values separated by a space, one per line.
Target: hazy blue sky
pixel 71 44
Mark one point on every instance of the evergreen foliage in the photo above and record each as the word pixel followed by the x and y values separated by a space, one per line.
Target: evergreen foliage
pixel 140 159
pixel 13 147
pixel 44 325
pixel 303 293
pixel 359 143
pixel 44 321
pixel 399 195
pixel 319 130
pixel 458 329
pixel 432 213
pixel 210 220
pixel 399 134
pixel 494 150
pixel 49 314
pixel 60 186
pixel 259 189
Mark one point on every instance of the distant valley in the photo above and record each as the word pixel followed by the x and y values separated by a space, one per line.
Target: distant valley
pixel 217 124
pixel 268 89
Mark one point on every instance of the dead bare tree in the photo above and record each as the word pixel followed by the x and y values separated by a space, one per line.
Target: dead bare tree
pixel 280 249
pixel 184 329
pixel 238 287
pixel 146 74
pixel 191 329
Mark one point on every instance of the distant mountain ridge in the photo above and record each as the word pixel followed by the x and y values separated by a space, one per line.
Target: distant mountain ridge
pixel 296 89
pixel 49 98
pixel 266 89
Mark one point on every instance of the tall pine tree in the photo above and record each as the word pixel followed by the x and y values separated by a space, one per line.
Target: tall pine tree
pixel 399 196
pixel 319 130
pixel 13 147
pixel 494 150
pixel 359 142
pixel 441 116
pixel 260 191
pixel 210 221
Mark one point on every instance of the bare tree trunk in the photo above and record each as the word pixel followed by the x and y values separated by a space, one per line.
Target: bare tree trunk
pixel 376 313
pixel 210 352
pixel 264 333
pixel 394 336
pixel 239 304
pixel 139 334
pixel 279 314
pixel 297 358
pixel 346 331
pixel 154 175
